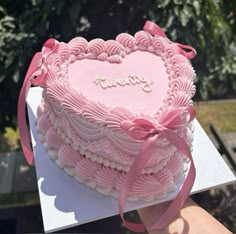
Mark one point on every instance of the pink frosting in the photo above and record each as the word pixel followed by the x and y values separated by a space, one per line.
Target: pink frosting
pixel 78 45
pixel 53 139
pixel 86 168
pixel 171 50
pixel 159 43
pixel 91 87
pixel 113 47
pixel 43 124
pixel 147 187
pixel 131 96
pixel 175 165
pixel 165 178
pixel 119 180
pixel 41 109
pixel 143 38
pixel 103 56
pixel 63 51
pixel 68 156
pixel 96 46
pixel 126 40
pixel 105 177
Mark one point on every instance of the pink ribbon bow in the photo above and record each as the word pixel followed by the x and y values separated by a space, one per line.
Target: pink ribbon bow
pixel 141 129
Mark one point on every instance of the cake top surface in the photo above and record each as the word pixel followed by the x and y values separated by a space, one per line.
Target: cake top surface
pixel 143 74
pixel 138 83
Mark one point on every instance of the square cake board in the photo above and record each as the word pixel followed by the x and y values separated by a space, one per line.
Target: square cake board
pixel 66 203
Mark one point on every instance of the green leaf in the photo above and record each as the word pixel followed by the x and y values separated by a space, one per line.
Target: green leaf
pixel 163 3
pixel 197 7
pixel 9 60
pixel 178 2
pixel 16 76
pixel 2 77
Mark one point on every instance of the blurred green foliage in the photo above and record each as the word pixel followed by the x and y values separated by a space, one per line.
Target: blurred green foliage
pixel 207 25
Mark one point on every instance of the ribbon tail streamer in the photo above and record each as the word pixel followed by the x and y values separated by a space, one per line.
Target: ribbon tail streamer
pixel 21 115
pixel 135 170
pixel 182 195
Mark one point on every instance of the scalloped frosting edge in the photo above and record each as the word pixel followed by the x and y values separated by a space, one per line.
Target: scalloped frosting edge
pixel 93 183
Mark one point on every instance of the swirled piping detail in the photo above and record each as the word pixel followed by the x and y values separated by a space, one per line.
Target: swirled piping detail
pixel 119 180
pixel 86 168
pixel 40 109
pixel 68 156
pixel 81 56
pixel 114 59
pixel 78 45
pixel 113 47
pixel 73 102
pixel 102 56
pixel 105 177
pixel 54 72
pixel 178 100
pixel 182 100
pixel 90 56
pixel 171 50
pixel 165 178
pixel 175 165
pixel 43 124
pixel 160 44
pixel 160 156
pixel 53 139
pixel 115 116
pixel 184 70
pixel 177 59
pixel 95 146
pixel 63 51
pixel 55 91
pixel 126 40
pixel 147 187
pixel 96 46
pixel 94 114
pixel 143 38
pixel 126 145
pixel 183 84
pixel 85 130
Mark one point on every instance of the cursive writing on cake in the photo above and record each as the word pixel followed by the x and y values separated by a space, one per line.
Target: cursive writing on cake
pixel 146 85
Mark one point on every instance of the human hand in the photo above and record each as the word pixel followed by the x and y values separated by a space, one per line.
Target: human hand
pixel 191 219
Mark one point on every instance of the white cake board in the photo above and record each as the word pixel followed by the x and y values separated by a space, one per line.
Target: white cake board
pixel 66 203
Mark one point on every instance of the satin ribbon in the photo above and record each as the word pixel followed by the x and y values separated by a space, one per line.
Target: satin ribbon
pixel 141 129
pixel 35 75
pixel 154 29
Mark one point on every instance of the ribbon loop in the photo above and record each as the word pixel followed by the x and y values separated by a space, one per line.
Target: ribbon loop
pixel 49 46
pixel 190 53
pixel 154 29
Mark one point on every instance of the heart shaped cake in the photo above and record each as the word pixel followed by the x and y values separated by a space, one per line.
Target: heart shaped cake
pixel 117 115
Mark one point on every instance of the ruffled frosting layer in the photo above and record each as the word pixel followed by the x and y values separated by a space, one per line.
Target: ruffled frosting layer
pixel 108 181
